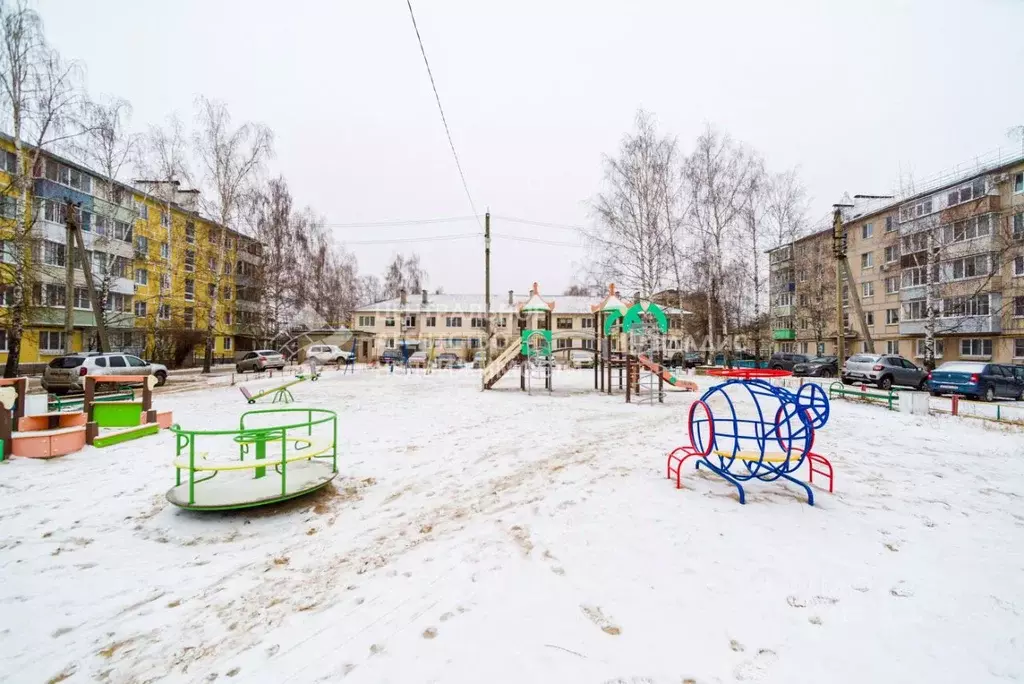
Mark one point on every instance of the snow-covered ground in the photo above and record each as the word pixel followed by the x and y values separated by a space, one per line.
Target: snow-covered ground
pixel 499 537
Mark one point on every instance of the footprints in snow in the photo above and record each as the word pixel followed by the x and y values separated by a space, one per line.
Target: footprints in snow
pixel 597 616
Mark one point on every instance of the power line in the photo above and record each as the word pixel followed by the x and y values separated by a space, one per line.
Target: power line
pixel 542 224
pixel 538 241
pixel 458 164
pixel 430 238
pixel 401 222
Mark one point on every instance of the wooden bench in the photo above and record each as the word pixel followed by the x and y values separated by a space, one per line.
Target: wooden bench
pixel 838 389
pixel 310 448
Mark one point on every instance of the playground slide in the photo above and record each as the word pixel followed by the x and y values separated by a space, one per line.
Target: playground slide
pixel 667 375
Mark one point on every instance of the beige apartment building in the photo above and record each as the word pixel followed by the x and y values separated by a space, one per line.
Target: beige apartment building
pixel 456 323
pixel 963 240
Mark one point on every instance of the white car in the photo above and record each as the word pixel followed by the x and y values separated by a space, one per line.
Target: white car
pixel 328 353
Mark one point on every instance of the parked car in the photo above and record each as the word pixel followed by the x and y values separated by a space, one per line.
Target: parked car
pixel 818 367
pixel 390 356
pixel 328 353
pixel 692 359
pixel 66 373
pixel 260 360
pixel 418 359
pixel 581 359
pixel 986 381
pixel 786 361
pixel 479 359
pixel 449 360
pixel 884 370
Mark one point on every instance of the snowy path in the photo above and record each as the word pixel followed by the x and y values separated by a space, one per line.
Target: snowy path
pixel 499 537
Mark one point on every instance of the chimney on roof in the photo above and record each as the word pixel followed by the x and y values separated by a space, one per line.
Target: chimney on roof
pixel 511 298
pixel 424 297
pixel 404 296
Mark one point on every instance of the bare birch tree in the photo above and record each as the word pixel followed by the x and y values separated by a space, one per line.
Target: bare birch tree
pixel 231 159
pixel 40 97
pixel 718 181
pixel 633 235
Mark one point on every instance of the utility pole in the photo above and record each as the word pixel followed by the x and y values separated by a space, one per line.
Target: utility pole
pixel 839 251
pixel 487 289
pixel 97 306
pixel 69 276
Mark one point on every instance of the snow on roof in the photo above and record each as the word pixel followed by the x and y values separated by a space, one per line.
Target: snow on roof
pixel 474 303
pixel 535 302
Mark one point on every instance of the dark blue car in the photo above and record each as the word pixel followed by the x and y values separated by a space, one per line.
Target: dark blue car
pixel 986 381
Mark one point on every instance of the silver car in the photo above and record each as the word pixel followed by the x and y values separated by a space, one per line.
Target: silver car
pixel 260 360
pixel 884 370
pixel 67 373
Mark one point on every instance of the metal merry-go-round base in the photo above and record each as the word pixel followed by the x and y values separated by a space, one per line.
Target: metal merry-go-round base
pixel 228 494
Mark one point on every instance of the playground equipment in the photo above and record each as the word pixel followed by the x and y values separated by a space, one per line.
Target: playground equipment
pixel 36 436
pixel 771 446
pixel 121 421
pixel 535 343
pixel 78 403
pixel 281 393
pixel 298 444
pixel 640 330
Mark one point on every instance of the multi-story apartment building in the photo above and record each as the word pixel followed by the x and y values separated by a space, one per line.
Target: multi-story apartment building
pixel 151 255
pixel 456 323
pixel 950 257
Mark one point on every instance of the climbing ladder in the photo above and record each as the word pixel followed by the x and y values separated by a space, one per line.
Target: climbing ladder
pixel 499 366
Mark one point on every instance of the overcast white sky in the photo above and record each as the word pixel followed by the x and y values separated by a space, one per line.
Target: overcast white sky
pixel 853 92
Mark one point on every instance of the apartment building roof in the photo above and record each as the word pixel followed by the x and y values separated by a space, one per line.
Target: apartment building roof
pixel 474 303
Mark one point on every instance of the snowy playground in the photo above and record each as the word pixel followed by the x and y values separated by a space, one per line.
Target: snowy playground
pixel 506 537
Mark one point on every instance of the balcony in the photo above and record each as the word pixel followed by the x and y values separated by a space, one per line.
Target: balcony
pixel 782 311
pixel 909 294
pixel 985 205
pixel 784 334
pixel 970 325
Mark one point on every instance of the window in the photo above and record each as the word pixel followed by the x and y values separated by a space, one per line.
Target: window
pixel 564 342
pixel 804 299
pixel 1018 306
pixel 117 362
pixel 937 345
pixel 453 321
pixel 164 312
pixel 211 264
pixel 915 311
pixel 190 290
pixel 226 290
pixel 366 321
pixel 477 323
pixel 968 229
pixel 142 209
pixel 8 252
pixel 867 289
pixel 866 231
pixel 1018 226
pixel 3 340
pixel 1018 266
pixel 892 253
pixel 867 260
pixel 140 308
pixel 1018 344
pixel 431 321
pixel 971 267
pixel 141 276
pixel 6 295
pixel 119 230
pixel 53 253
pixel 563 323
pixel 165 251
pixel 801 275
pixel 211 290
pixel 190 261
pixel 165 219
pixel 978 305
pixel 227 318
pixel 165 282
pixel 975 347
pixel 8 206
pixel 141 245
pixel 51 342
pixel 892 346
pixel 965 193
pixel 190 232
pixel 502 321
pixel 1018 182
pixel 869 319
pixel 118 302
pixel 119 267
pixel 890 225
pixel 892 316
pixel 49 294
pixel 389 322
pixel 892 284
pixel 189 316
pixel 9 164
pixel 588 322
